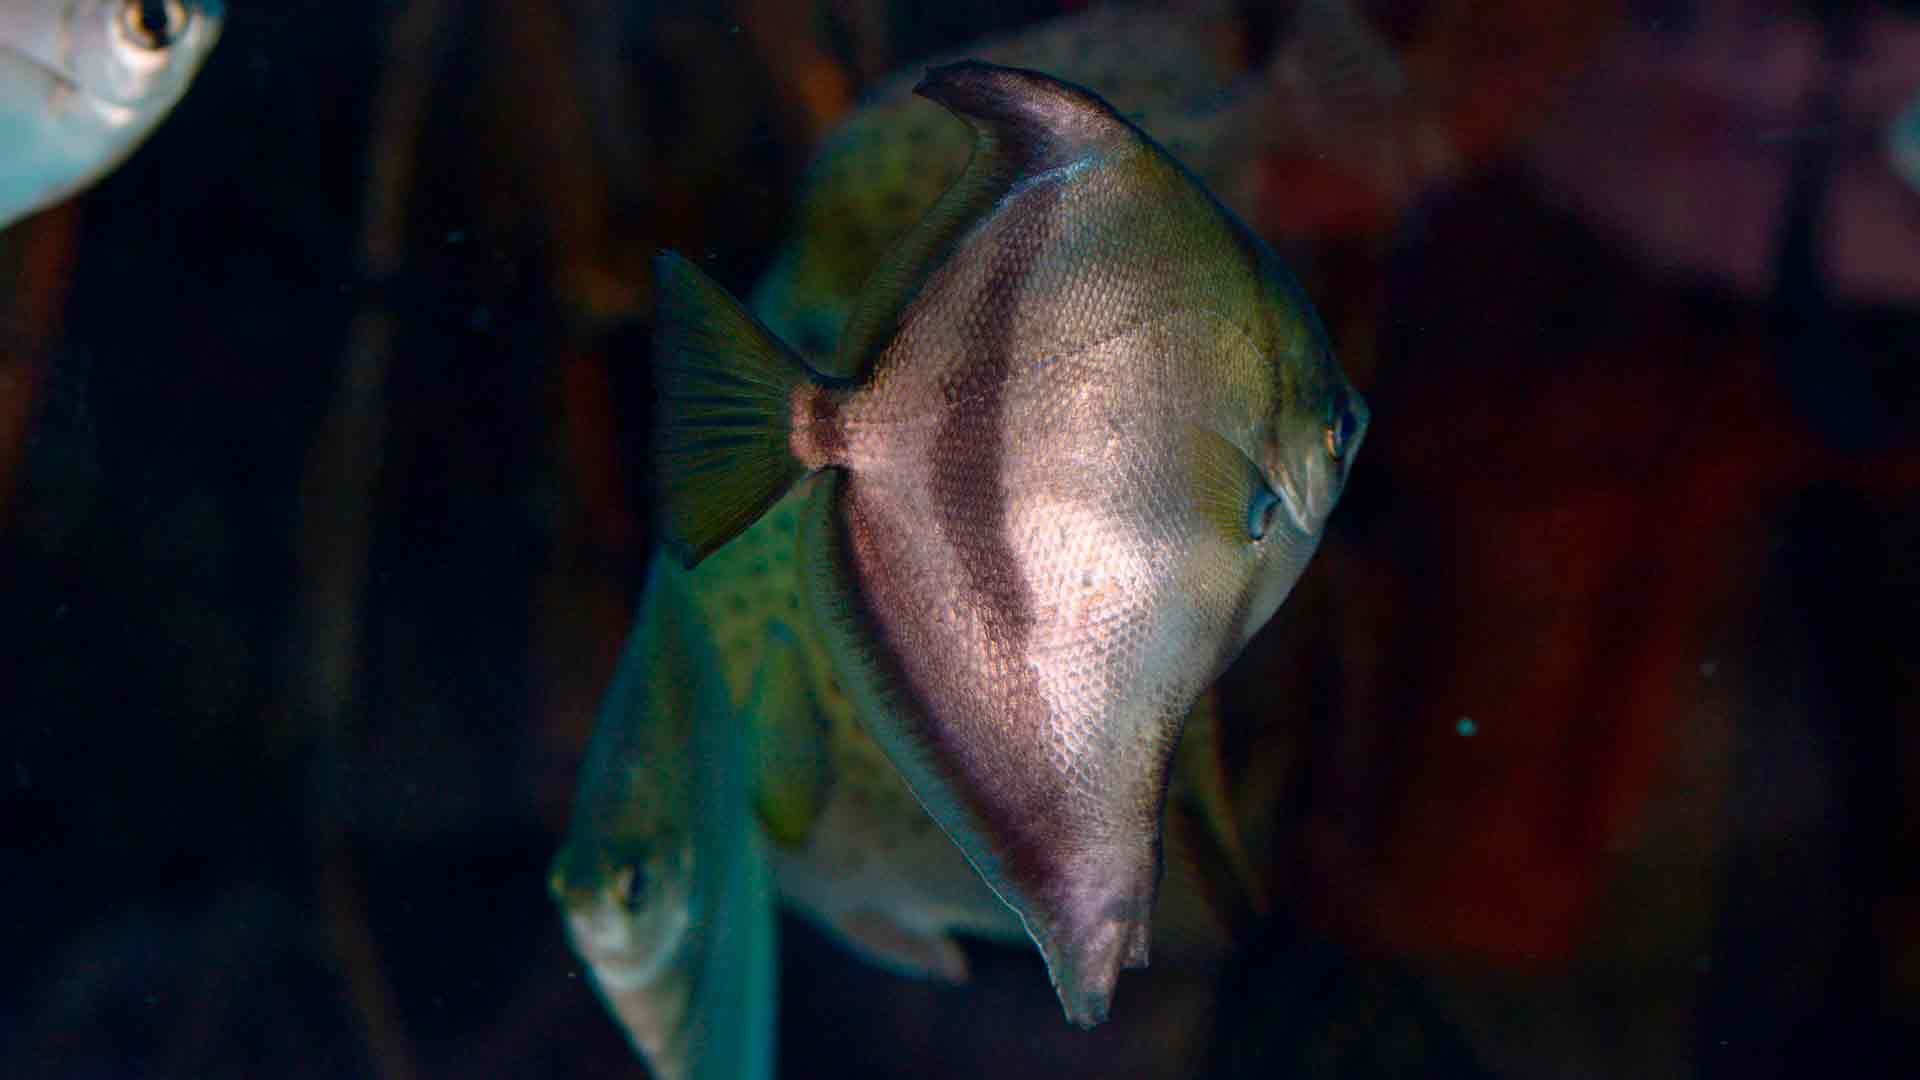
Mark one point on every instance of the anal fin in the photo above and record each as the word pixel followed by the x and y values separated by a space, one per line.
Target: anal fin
pixel 908 952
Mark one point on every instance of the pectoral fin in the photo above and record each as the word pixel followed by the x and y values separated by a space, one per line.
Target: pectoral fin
pixel 892 946
pixel 1228 489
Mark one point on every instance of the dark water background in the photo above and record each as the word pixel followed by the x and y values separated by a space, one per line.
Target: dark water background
pixel 301 647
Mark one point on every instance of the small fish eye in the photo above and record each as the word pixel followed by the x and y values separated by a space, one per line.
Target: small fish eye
pixel 154 25
pixel 1340 433
pixel 632 885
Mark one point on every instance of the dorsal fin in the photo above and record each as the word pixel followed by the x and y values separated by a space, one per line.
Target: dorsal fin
pixel 1024 124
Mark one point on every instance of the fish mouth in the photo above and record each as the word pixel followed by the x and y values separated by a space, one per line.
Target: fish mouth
pixel 1304 511
pixel 623 948
pixel 1310 487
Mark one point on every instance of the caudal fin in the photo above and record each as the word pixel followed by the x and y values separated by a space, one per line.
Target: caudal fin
pixel 726 417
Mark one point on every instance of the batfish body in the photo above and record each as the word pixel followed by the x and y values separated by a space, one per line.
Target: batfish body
pixel 1094 433
pixel 83 82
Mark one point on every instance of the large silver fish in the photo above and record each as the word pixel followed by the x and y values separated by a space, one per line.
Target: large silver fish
pixel 664 880
pixel 83 82
pixel 1095 434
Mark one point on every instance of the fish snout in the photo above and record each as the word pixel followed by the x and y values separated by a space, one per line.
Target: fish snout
pixel 1311 483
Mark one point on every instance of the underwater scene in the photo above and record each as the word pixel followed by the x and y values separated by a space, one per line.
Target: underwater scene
pixel 1016 538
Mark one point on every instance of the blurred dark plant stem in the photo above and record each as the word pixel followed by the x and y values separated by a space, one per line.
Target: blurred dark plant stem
pixel 40 266
pixel 337 501
pixel 1829 379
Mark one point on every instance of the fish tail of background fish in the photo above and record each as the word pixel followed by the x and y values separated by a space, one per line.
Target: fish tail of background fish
pixel 664 881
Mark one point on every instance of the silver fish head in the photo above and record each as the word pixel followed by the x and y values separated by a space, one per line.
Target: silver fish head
pixel 130 54
pixel 83 82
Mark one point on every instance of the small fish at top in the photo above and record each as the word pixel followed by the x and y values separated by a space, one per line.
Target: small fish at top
pixel 83 82
pixel 1091 439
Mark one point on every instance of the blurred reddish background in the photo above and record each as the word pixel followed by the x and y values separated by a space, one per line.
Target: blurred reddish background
pixel 1587 747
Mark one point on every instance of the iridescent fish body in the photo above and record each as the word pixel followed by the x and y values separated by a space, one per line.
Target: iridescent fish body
pixel 1093 437
pixel 83 82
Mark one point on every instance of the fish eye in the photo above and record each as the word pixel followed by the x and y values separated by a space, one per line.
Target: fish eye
pixel 154 25
pixel 1340 433
pixel 632 886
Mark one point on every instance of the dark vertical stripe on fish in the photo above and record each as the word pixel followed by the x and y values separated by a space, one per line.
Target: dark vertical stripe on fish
pixel 970 489
pixel 971 499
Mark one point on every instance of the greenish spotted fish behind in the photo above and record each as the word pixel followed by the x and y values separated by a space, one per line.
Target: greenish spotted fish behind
pixel 1093 437
pixel 83 82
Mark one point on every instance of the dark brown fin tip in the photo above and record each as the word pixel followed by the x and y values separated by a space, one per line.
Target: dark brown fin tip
pixel 1046 122
pixel 1025 124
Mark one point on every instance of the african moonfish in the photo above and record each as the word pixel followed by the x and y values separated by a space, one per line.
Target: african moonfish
pixel 663 881
pixel 1174 71
pixel 1094 435
pixel 83 82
